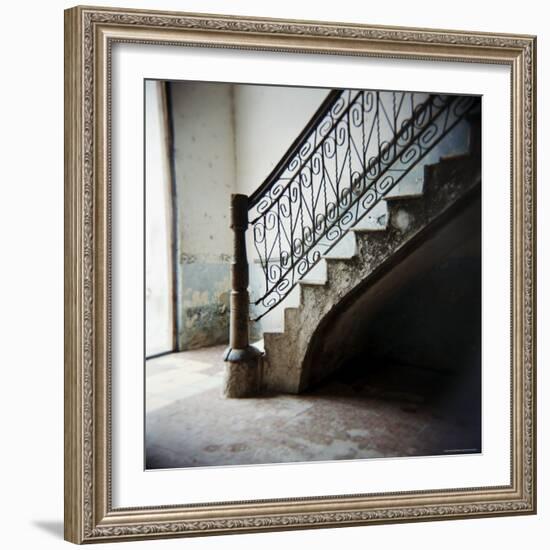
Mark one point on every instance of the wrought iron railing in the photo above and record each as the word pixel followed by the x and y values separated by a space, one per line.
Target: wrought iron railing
pixel 358 146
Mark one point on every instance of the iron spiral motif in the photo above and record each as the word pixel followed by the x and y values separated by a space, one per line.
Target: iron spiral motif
pixel 362 145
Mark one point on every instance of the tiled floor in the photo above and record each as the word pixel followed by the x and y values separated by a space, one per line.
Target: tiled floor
pixel 190 423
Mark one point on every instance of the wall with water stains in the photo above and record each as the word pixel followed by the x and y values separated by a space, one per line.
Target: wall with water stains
pixel 227 138
pixel 204 166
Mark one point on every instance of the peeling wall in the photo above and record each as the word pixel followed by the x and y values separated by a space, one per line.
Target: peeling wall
pixel 227 138
pixel 205 302
pixel 204 159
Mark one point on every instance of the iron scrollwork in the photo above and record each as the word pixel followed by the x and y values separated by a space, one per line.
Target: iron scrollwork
pixel 357 149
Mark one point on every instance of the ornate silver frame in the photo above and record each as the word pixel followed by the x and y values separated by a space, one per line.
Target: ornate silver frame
pixel 89 36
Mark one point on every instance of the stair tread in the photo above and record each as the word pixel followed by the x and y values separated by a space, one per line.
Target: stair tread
pixel 340 259
pixel 312 282
pixel 404 197
pixel 370 229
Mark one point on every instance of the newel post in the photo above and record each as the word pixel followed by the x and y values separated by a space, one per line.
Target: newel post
pixel 242 370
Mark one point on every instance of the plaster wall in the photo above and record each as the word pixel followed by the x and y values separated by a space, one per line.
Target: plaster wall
pixel 227 138
pixel 267 120
pixel 204 163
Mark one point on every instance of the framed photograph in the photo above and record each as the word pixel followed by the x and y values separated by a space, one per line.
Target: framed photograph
pixel 300 274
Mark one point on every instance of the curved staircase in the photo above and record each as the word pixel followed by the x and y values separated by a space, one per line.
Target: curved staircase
pixel 360 155
pixel 447 186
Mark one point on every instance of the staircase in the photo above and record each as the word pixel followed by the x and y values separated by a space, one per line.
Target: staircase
pixel 313 222
pixel 447 184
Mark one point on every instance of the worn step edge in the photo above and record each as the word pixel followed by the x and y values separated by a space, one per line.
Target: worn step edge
pixel 409 196
pixel 380 229
pixel 349 259
pixel 339 257
pixel 311 282
pixel 452 158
